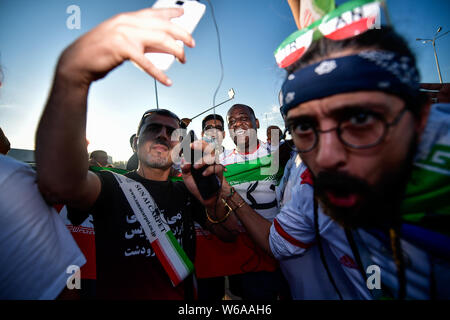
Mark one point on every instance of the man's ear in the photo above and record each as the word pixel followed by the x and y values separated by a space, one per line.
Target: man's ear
pixel 257 124
pixel 135 143
pixel 423 118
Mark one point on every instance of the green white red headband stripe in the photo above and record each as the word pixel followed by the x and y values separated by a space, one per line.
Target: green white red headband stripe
pixel 348 20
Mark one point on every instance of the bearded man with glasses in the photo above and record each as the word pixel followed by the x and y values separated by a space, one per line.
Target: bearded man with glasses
pixel 371 205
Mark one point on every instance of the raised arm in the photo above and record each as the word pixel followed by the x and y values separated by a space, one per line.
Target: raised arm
pixel 61 155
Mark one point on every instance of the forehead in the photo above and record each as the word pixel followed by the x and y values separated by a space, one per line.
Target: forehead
pixel 213 122
pixel 239 111
pixel 369 99
pixel 161 119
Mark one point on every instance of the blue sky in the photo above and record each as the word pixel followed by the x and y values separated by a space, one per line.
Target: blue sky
pixel 34 33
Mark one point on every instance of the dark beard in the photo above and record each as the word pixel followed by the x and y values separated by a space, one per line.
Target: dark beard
pixel 157 163
pixel 378 206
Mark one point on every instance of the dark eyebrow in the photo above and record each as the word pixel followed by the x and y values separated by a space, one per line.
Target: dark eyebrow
pixel 361 105
pixel 342 110
pixel 305 117
pixel 375 108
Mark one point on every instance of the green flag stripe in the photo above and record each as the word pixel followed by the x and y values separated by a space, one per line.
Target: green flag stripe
pixel 293 37
pixel 252 171
pixel 324 6
pixel 187 262
pixel 116 170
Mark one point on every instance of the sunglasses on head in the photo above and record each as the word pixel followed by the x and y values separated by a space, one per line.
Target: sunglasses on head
pixel 346 21
pixel 160 112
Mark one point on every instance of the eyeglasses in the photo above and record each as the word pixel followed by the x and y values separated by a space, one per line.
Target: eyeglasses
pixel 346 21
pixel 209 127
pixel 357 128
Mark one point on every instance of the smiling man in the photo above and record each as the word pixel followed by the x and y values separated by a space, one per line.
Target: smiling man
pixel 257 188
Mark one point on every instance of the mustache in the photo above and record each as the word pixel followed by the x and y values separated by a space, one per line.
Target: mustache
pixel 340 183
pixel 162 141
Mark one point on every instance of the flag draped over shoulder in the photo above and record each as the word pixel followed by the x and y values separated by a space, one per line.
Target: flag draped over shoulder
pixel 215 258
pixel 255 170
pixel 116 170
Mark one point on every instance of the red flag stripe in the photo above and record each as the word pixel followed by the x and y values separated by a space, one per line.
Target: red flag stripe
pixel 291 58
pixel 352 30
pixel 290 239
pixel 306 177
pixel 165 262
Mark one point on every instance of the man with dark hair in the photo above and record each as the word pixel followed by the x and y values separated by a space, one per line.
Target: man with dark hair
pixel 213 120
pixel 132 163
pixel 276 133
pixel 356 115
pixel 143 221
pixel 98 158
pixel 213 131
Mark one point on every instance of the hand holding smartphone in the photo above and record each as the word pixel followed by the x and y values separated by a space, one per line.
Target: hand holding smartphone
pixel 193 12
pixel 207 185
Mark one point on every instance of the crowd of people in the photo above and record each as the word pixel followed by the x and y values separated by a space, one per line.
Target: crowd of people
pixel 355 206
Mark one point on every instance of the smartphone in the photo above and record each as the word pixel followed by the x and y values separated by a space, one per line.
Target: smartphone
pixel 193 12
pixel 207 186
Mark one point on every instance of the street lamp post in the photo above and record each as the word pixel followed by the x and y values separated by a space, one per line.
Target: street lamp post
pixel 433 43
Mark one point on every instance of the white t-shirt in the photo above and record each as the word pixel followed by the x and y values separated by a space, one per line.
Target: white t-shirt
pixel 259 194
pixel 36 248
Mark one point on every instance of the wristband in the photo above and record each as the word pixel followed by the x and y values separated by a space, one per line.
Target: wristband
pixel 232 192
pixel 221 219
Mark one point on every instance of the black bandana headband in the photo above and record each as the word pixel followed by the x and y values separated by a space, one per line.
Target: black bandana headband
pixel 368 70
